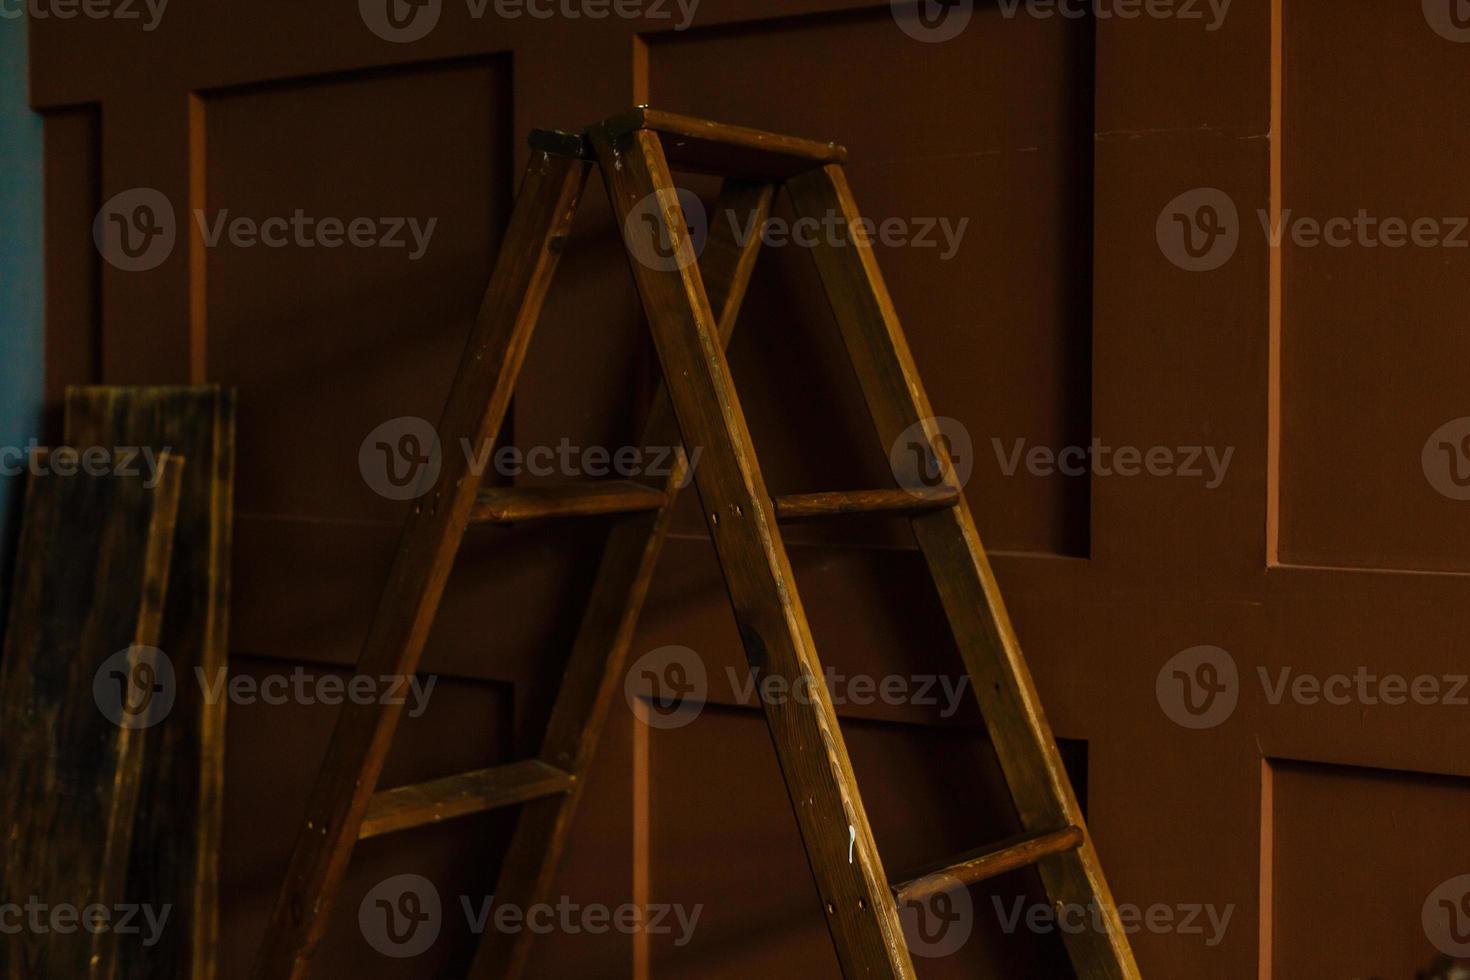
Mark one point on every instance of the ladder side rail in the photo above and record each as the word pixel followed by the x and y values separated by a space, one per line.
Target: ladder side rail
pixel 972 600
pixel 476 407
pixel 861 913
pixel 594 672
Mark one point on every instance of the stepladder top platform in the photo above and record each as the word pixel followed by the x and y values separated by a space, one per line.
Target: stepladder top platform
pixel 700 145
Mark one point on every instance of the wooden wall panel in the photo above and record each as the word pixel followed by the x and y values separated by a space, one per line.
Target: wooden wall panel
pixel 1062 317
pixel 1367 917
pixel 1373 357
pixel 998 315
pixel 742 867
pixel 267 778
pixel 346 338
pixel 74 276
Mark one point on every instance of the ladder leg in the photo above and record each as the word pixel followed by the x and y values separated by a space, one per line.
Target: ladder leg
pixel 972 600
pixel 861 913
pixel 594 672
pixel 431 537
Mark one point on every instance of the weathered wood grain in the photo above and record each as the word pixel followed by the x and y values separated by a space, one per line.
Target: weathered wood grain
pixel 407 807
pixel 861 912
pixel 972 600
pixel 840 503
pixel 176 841
pixel 91 575
pixel 985 863
pixel 512 504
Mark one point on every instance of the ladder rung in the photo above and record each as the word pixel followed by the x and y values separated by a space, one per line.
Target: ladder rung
pixel 460 795
pixel 805 506
pixel 703 146
pixel 987 863
pixel 509 504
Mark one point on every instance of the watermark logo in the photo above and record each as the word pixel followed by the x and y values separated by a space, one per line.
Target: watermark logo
pixel 938 920
pixel 401 916
pixel 1450 19
pixel 400 459
pixel 1199 687
pixel 135 688
pixel 400 21
pixel 1446 916
pixel 1199 230
pixel 667 687
pixel 933 21
pixel 1446 459
pixel 135 230
pixel 923 451
pixel 667 234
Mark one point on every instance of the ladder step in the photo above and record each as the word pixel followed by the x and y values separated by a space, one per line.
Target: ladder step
pixel 731 151
pixel 987 863
pixel 806 506
pixel 460 795
pixel 502 505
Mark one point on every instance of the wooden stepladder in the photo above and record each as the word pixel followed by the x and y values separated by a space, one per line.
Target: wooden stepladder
pixel 691 305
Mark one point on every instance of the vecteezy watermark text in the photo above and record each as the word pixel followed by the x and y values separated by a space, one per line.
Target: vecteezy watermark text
pixel 1125 461
pixel 401 459
pixel 406 21
pixel 150 12
pixel 1200 687
pixel 402 917
pixel 63 918
pixel 668 687
pixel 128 461
pixel 1070 918
pixel 1200 230
pixel 936 21
pixel 666 231
pixel 136 230
pixel 136 688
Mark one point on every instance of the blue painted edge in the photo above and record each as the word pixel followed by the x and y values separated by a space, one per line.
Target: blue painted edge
pixel 22 296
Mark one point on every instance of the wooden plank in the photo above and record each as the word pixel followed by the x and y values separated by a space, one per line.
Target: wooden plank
pixel 431 537
pixel 711 147
pixel 91 575
pixel 806 506
pixel 985 863
pixel 968 591
pixel 594 671
pixel 861 913
pixel 511 504
pixel 460 795
pixel 176 841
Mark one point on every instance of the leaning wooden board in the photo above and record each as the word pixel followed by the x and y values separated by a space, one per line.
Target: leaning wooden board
pixel 177 838
pixel 91 575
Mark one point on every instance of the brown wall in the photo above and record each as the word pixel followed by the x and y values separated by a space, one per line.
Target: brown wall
pixel 1335 541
